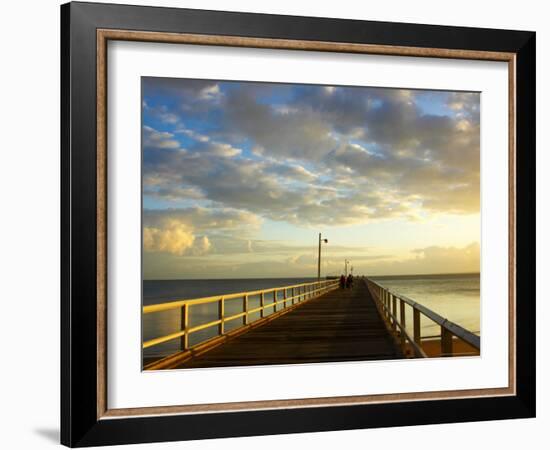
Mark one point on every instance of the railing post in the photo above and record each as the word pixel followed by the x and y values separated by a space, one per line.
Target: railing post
pixel 293 295
pixel 245 309
pixel 221 314
pixel 416 326
pixel 402 321
pixel 275 301
pixel 394 311
pixel 262 304
pixel 185 326
pixel 284 298
pixel 387 302
pixel 446 342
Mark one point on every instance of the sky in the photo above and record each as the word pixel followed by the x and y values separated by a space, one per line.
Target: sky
pixel 239 178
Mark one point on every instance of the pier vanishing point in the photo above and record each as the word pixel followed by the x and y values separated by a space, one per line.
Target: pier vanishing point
pixel 308 323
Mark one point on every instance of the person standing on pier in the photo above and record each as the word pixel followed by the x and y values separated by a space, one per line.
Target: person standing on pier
pixel 349 281
pixel 342 281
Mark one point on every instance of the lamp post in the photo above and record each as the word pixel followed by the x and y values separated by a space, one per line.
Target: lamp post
pixel 319 257
pixel 346 262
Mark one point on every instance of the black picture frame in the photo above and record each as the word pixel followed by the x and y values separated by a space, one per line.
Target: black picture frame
pixel 80 425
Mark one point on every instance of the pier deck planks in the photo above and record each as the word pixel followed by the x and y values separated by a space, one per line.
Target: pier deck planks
pixel 342 325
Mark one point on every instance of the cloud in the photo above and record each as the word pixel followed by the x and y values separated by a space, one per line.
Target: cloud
pixel 465 104
pixel 184 231
pixel 229 156
pixel 292 172
pixel 202 218
pixel 192 134
pixel 196 96
pixel 314 152
pixel 174 238
pixel 431 260
pixel 153 139
pixel 211 92
pixel 292 131
pixel 162 189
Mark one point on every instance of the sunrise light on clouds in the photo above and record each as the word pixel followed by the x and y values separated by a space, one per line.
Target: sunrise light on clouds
pixel 240 177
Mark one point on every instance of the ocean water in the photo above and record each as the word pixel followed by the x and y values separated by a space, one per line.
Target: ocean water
pixel 455 297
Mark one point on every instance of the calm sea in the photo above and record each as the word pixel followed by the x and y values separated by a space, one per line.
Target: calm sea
pixel 455 297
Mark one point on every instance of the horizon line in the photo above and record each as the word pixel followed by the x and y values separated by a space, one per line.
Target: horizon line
pixel 312 277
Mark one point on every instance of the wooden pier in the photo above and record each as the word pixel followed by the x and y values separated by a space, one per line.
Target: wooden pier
pixel 307 323
pixel 341 325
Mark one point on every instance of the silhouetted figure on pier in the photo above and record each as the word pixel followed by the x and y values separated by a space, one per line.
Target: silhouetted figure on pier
pixel 349 281
pixel 342 281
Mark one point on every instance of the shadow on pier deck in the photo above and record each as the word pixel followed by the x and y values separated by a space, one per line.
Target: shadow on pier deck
pixel 341 325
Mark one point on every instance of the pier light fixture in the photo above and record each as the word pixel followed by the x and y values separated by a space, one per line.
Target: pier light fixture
pixel 319 257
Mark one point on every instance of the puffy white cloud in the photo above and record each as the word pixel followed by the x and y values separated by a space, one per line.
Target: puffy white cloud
pixel 183 231
pixel 174 237
pixel 211 92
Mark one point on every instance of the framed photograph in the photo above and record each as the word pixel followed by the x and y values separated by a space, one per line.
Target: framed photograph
pixel 277 224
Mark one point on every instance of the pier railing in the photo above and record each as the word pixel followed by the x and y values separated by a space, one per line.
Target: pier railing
pixel 387 302
pixel 278 299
